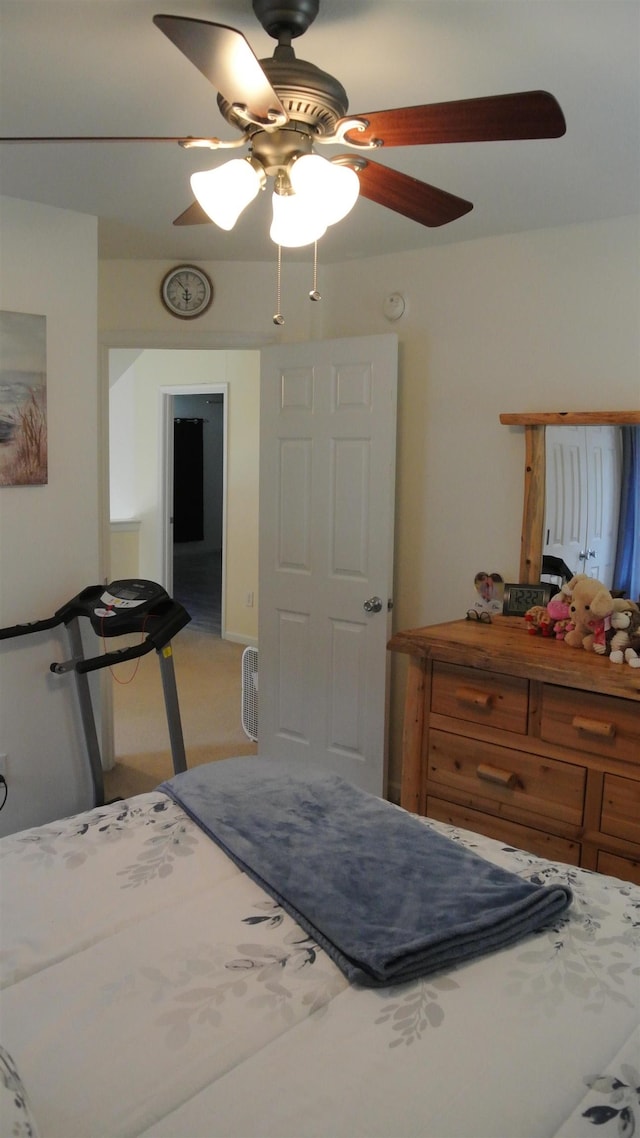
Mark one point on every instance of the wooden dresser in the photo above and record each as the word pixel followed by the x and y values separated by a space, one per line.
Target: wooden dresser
pixel 524 739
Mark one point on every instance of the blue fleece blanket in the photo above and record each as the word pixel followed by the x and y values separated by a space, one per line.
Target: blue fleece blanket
pixel 387 897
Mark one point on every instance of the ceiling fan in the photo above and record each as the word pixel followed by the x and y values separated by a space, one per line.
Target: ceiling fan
pixel 286 108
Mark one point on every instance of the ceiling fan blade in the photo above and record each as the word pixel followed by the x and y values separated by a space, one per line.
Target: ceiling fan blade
pixel 417 200
pixel 184 140
pixel 530 114
pixel 193 215
pixel 225 58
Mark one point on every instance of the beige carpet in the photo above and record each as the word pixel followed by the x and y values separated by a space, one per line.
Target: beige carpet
pixel 209 682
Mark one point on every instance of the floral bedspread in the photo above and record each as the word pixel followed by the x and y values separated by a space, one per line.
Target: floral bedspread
pixel 149 988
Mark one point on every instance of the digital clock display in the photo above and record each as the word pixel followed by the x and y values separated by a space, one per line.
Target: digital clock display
pixel 518 599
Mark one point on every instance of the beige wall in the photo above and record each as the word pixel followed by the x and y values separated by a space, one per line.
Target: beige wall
pixel 124 550
pixel 49 535
pixel 544 320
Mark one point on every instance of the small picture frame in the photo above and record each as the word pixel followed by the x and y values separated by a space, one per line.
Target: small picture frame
pixel 519 598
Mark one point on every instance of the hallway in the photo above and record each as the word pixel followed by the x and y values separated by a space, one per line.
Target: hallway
pixel 197 585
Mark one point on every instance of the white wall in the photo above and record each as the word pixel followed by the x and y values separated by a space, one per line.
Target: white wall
pixel 49 534
pixel 122 435
pixel 544 320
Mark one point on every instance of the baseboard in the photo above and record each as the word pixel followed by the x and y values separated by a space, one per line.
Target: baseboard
pixel 236 638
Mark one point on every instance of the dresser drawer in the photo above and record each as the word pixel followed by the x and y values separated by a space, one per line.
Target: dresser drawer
pixel 511 833
pixel 598 724
pixel 621 808
pixel 524 781
pixel 489 698
pixel 614 865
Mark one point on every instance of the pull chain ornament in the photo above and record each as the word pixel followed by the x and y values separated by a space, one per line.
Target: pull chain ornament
pixel 314 294
pixel 279 318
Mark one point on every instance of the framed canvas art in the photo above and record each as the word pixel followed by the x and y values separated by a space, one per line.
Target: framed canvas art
pixel 23 399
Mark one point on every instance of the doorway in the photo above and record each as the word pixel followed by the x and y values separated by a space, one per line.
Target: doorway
pixel 139 400
pixel 141 428
pixel 197 514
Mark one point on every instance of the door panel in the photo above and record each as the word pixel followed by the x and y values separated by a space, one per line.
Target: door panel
pixel 349 507
pixel 583 475
pixel 294 515
pixel 327 489
pixel 604 464
pixel 293 653
pixel 566 484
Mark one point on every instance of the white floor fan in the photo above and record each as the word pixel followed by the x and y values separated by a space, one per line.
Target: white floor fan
pixel 250 693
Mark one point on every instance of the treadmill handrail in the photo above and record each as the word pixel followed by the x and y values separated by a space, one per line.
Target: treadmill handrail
pixel 108 658
pixel 33 626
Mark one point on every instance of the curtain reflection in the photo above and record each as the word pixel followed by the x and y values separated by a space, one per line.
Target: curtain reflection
pixel 626 577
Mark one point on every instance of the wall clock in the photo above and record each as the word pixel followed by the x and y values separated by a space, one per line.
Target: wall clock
pixel 186 291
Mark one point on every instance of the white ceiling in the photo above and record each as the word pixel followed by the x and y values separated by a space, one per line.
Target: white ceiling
pixel 100 67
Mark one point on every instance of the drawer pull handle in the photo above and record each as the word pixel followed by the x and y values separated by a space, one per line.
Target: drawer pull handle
pixel 600 728
pixel 474 697
pixel 494 774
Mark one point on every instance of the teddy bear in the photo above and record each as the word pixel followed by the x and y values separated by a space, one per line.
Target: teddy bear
pixel 624 645
pixel 632 651
pixel 590 611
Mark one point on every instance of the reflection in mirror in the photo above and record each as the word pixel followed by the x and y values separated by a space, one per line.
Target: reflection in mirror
pixel 626 572
pixel 583 481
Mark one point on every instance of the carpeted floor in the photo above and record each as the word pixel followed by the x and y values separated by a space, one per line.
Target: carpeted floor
pixel 209 682
pixel 197 584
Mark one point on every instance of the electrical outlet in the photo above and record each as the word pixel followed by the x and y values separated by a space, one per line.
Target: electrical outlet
pixel 249 600
pixel 3 765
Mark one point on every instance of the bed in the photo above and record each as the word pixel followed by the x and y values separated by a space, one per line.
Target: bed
pixel 151 987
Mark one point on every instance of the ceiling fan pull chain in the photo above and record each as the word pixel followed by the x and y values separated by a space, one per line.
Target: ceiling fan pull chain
pixel 314 294
pixel 279 318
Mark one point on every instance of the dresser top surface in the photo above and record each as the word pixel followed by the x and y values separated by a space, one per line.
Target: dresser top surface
pixel 506 646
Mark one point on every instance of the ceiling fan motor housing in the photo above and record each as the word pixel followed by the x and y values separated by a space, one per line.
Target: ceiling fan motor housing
pixel 286 17
pixel 308 94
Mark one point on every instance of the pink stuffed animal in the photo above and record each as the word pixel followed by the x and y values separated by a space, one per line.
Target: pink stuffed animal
pixel 560 613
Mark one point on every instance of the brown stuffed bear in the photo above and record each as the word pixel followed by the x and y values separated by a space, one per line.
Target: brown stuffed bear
pixel 625 643
pixel 591 606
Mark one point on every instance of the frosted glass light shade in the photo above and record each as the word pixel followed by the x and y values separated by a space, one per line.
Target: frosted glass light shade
pixel 329 188
pixel 225 191
pixel 295 222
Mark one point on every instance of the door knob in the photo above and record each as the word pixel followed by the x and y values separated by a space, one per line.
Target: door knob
pixel 374 604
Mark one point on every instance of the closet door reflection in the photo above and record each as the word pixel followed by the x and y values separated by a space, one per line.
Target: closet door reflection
pixel 583 476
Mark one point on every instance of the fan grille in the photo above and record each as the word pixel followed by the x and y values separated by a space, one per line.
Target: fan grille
pixel 250 693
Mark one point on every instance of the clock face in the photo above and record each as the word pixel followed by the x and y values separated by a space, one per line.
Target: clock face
pixel 186 291
pixel 518 598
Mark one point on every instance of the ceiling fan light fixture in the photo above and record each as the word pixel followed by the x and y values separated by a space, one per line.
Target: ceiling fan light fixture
pixel 296 222
pixel 227 190
pixel 329 188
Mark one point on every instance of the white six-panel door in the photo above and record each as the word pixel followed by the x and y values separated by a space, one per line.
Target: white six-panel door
pixel 327 486
pixel 583 479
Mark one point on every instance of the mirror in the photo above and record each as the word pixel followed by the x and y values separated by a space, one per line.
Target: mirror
pixel 532 538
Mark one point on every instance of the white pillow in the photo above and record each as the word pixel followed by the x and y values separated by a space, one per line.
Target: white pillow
pixel 15 1111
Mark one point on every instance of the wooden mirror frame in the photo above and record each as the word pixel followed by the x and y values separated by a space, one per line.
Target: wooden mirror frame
pixel 534 423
